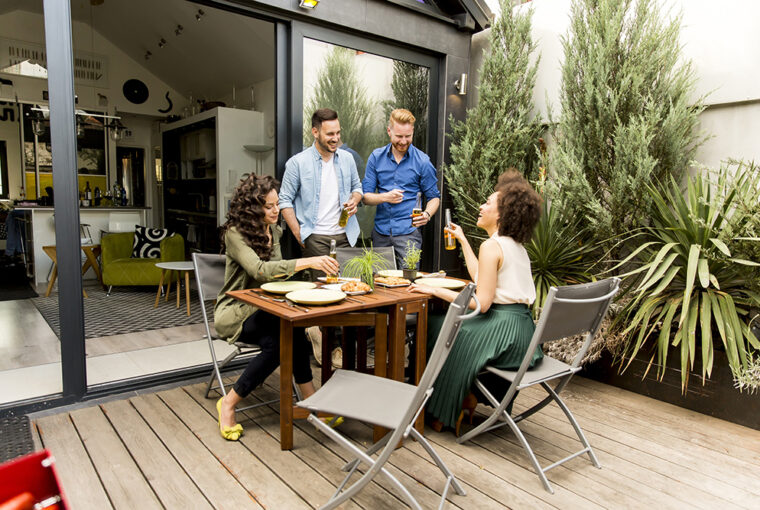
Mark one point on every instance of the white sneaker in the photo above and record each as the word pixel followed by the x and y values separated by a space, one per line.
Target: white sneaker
pixel 314 335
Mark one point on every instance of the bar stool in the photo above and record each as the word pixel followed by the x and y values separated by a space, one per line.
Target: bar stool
pixel 91 252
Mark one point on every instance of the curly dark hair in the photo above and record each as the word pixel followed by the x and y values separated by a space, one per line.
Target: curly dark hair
pixel 246 213
pixel 519 206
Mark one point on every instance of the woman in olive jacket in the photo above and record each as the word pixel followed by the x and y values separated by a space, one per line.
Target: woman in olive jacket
pixel 251 238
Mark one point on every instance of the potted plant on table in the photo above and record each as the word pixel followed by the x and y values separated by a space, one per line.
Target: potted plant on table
pixel 411 259
pixel 365 266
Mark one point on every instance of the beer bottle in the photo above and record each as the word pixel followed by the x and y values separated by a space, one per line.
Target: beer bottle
pixel 451 242
pixel 332 278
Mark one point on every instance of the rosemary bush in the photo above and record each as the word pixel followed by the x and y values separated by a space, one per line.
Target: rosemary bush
pixel 628 118
pixel 502 131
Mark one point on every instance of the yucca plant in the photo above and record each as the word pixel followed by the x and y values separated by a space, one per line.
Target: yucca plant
pixel 558 254
pixel 692 287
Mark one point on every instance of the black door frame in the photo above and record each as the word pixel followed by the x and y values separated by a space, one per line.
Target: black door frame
pixel 289 35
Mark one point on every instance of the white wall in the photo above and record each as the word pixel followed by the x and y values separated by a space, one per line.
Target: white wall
pixel 721 39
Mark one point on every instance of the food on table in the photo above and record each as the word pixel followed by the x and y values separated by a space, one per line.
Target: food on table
pixel 391 280
pixel 355 287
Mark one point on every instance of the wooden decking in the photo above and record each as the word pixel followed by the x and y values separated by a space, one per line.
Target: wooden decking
pixel 164 450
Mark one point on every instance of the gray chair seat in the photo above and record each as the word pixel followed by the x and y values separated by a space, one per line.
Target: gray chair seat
pixel 546 369
pixel 346 394
pixel 391 404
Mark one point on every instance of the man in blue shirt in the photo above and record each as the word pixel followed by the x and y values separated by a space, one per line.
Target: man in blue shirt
pixel 397 177
pixel 318 184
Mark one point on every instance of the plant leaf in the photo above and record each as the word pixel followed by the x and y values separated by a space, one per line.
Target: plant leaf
pixel 691 273
pixel 706 340
pixel 745 262
pixel 703 271
pixel 721 246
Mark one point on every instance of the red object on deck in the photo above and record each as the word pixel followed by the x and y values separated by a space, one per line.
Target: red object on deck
pixel 31 475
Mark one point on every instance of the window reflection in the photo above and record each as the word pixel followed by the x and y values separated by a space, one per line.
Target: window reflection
pixel 363 88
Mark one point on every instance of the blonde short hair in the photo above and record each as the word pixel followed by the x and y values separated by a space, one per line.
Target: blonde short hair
pixel 401 116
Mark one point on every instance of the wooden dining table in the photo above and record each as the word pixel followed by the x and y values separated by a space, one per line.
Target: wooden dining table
pixel 388 308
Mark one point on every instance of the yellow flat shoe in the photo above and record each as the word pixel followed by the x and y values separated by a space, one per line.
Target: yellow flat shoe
pixel 332 421
pixel 229 433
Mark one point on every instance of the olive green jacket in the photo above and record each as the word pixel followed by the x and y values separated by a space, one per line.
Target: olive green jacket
pixel 245 270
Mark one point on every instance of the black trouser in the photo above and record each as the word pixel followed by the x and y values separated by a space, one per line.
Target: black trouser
pixel 263 329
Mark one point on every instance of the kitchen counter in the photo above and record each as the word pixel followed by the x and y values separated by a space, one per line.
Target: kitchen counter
pixel 100 208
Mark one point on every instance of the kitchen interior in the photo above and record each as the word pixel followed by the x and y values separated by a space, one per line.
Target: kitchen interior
pixel 175 104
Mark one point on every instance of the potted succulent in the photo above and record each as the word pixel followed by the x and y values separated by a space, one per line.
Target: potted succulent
pixel 411 259
pixel 365 266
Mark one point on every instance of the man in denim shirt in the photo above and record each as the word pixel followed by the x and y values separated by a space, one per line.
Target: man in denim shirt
pixel 318 184
pixel 397 177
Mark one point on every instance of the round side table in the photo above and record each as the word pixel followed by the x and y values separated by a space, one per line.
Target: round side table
pixel 181 267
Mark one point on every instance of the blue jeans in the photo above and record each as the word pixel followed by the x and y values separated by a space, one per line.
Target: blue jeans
pixel 15 232
pixel 398 243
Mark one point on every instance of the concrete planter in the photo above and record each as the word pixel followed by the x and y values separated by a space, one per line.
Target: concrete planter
pixel 716 398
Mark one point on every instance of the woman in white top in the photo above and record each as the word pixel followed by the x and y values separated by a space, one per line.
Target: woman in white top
pixel 501 334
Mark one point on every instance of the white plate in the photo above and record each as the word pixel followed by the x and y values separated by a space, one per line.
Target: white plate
pixel 316 296
pixel 446 283
pixel 337 286
pixel 285 287
pixel 395 272
pixel 340 279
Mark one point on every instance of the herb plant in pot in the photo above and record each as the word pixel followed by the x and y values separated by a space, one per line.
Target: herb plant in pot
pixel 365 266
pixel 411 259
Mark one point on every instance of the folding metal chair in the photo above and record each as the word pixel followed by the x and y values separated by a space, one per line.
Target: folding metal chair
pixel 209 275
pixel 391 404
pixel 568 311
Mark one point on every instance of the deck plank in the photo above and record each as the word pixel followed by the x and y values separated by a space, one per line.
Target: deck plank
pixel 425 495
pixel 656 459
pixel 170 482
pixel 669 420
pixel 301 478
pixel 652 454
pixel 125 483
pixel 242 461
pixel 78 476
pixel 744 473
pixel 211 477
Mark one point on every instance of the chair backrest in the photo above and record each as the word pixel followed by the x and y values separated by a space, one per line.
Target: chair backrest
pixel 345 254
pixel 452 323
pixel 209 275
pixel 569 310
pixel 575 309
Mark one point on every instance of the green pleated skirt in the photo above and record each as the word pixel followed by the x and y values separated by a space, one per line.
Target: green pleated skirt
pixel 498 337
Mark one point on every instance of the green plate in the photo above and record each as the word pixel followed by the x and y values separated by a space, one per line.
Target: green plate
pixel 285 287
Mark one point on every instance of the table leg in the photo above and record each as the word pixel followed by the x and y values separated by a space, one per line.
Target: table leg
pixel 420 355
pixel 187 291
pixel 92 261
pixel 286 383
pixel 53 276
pixel 179 278
pixel 381 356
pixel 51 252
pixel 160 285
pixel 396 337
pixel 169 284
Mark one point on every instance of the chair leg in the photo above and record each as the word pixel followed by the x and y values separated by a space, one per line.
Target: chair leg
pixel 575 424
pixel 109 290
pixel 450 479
pixel 375 467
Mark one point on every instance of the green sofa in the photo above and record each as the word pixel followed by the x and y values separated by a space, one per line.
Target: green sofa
pixel 119 268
